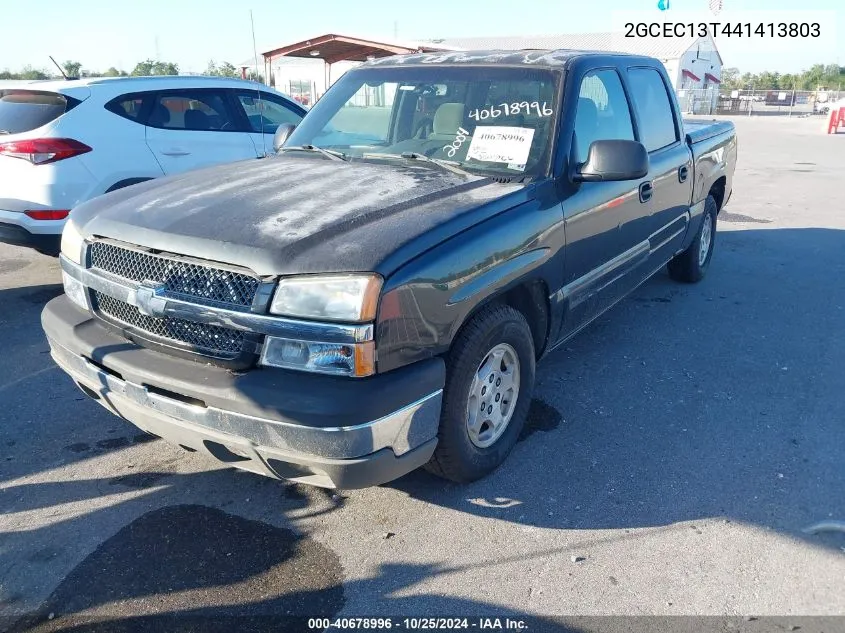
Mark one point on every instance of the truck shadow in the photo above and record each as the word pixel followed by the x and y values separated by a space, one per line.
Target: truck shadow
pixel 197 568
pixel 683 403
pixel 721 399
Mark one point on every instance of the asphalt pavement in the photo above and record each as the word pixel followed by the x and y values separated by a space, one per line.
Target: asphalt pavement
pixel 679 452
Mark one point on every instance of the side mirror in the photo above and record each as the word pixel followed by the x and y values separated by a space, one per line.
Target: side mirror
pixel 282 133
pixel 613 160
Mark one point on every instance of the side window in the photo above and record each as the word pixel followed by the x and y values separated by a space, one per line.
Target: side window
pixel 129 106
pixel 268 113
pixel 602 112
pixel 195 110
pixel 654 109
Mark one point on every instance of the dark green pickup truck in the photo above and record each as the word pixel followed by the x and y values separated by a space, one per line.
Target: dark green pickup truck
pixel 375 296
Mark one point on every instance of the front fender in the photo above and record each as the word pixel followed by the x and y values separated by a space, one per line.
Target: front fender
pixel 426 302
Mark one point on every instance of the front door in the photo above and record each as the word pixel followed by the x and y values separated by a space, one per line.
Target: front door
pixel 193 128
pixel 606 222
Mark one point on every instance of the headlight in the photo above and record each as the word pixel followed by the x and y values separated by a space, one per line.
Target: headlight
pixel 350 298
pixel 72 242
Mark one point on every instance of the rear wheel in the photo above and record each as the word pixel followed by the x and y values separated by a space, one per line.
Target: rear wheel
pixel 489 382
pixel 691 265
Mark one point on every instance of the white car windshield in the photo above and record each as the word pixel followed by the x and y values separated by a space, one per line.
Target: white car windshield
pixel 481 118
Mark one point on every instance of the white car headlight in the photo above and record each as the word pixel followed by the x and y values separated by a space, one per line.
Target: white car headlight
pixel 351 298
pixel 72 242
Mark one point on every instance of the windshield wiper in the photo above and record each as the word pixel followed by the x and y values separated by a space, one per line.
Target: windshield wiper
pixel 443 164
pixel 328 153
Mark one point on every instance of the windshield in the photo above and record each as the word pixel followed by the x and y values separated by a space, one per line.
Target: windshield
pixel 25 110
pixel 483 119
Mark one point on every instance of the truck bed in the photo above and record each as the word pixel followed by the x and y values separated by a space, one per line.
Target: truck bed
pixel 698 130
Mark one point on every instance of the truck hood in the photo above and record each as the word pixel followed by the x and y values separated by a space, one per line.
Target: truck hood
pixel 299 213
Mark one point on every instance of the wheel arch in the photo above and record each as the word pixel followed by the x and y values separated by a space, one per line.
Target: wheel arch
pixel 531 299
pixel 717 190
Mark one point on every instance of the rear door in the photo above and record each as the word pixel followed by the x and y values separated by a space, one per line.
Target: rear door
pixel 265 112
pixel 659 129
pixel 192 128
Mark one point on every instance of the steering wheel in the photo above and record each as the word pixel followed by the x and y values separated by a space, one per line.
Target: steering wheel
pixel 423 128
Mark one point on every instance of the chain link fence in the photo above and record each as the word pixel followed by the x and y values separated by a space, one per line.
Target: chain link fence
pixel 757 102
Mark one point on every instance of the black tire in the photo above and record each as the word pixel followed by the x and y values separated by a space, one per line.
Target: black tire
pixel 687 267
pixel 457 458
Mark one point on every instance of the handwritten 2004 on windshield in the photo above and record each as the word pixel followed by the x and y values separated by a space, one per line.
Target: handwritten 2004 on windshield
pixel 770 30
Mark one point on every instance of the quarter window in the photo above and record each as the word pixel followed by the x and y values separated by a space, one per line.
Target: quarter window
pixel 655 112
pixel 602 112
pixel 128 106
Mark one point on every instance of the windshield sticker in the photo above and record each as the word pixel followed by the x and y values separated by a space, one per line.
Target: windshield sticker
pixel 501 144
pixel 518 107
pixel 460 138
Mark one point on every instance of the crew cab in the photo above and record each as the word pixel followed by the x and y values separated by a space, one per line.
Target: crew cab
pixel 376 296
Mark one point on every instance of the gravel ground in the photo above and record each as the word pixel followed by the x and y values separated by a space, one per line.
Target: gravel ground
pixel 677 452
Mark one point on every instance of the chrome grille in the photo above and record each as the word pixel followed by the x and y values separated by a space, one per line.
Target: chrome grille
pixel 209 339
pixel 198 283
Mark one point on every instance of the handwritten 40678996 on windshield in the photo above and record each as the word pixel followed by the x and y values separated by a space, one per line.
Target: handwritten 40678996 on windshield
pixel 501 144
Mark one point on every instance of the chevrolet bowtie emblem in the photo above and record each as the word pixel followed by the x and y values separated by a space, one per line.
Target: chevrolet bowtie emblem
pixel 149 299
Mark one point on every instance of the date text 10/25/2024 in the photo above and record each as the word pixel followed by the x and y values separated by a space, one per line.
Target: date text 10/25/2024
pixel 418 624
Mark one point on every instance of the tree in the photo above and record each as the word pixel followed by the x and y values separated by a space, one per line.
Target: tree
pixel 29 72
pixel 223 70
pixel 114 72
pixel 254 76
pixel 72 69
pixel 748 81
pixel 730 77
pixel 767 81
pixel 150 67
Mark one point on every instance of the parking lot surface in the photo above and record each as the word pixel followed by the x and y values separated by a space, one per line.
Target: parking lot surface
pixel 678 453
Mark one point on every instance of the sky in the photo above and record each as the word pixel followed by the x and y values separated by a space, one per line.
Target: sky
pixel 101 33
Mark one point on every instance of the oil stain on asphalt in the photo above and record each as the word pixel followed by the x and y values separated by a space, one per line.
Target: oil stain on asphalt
pixel 195 568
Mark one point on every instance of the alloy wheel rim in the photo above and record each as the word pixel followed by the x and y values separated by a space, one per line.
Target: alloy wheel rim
pixel 493 395
pixel 706 238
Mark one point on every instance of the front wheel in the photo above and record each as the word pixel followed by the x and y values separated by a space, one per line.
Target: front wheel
pixel 489 382
pixel 691 265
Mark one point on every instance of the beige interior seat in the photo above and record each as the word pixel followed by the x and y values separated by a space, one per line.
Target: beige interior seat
pixel 447 119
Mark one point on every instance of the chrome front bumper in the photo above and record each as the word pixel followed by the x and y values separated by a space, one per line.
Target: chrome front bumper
pixel 339 457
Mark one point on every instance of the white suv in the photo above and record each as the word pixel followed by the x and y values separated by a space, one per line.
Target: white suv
pixel 64 142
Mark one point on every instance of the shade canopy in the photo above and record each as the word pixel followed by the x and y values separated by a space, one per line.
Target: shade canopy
pixel 333 48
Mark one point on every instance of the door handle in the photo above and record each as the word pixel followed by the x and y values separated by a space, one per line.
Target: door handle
pixel 176 152
pixel 646 191
pixel 683 173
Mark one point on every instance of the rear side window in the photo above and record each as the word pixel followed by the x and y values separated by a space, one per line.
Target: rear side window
pixel 654 109
pixel 130 106
pixel 194 110
pixel 25 110
pixel 602 113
